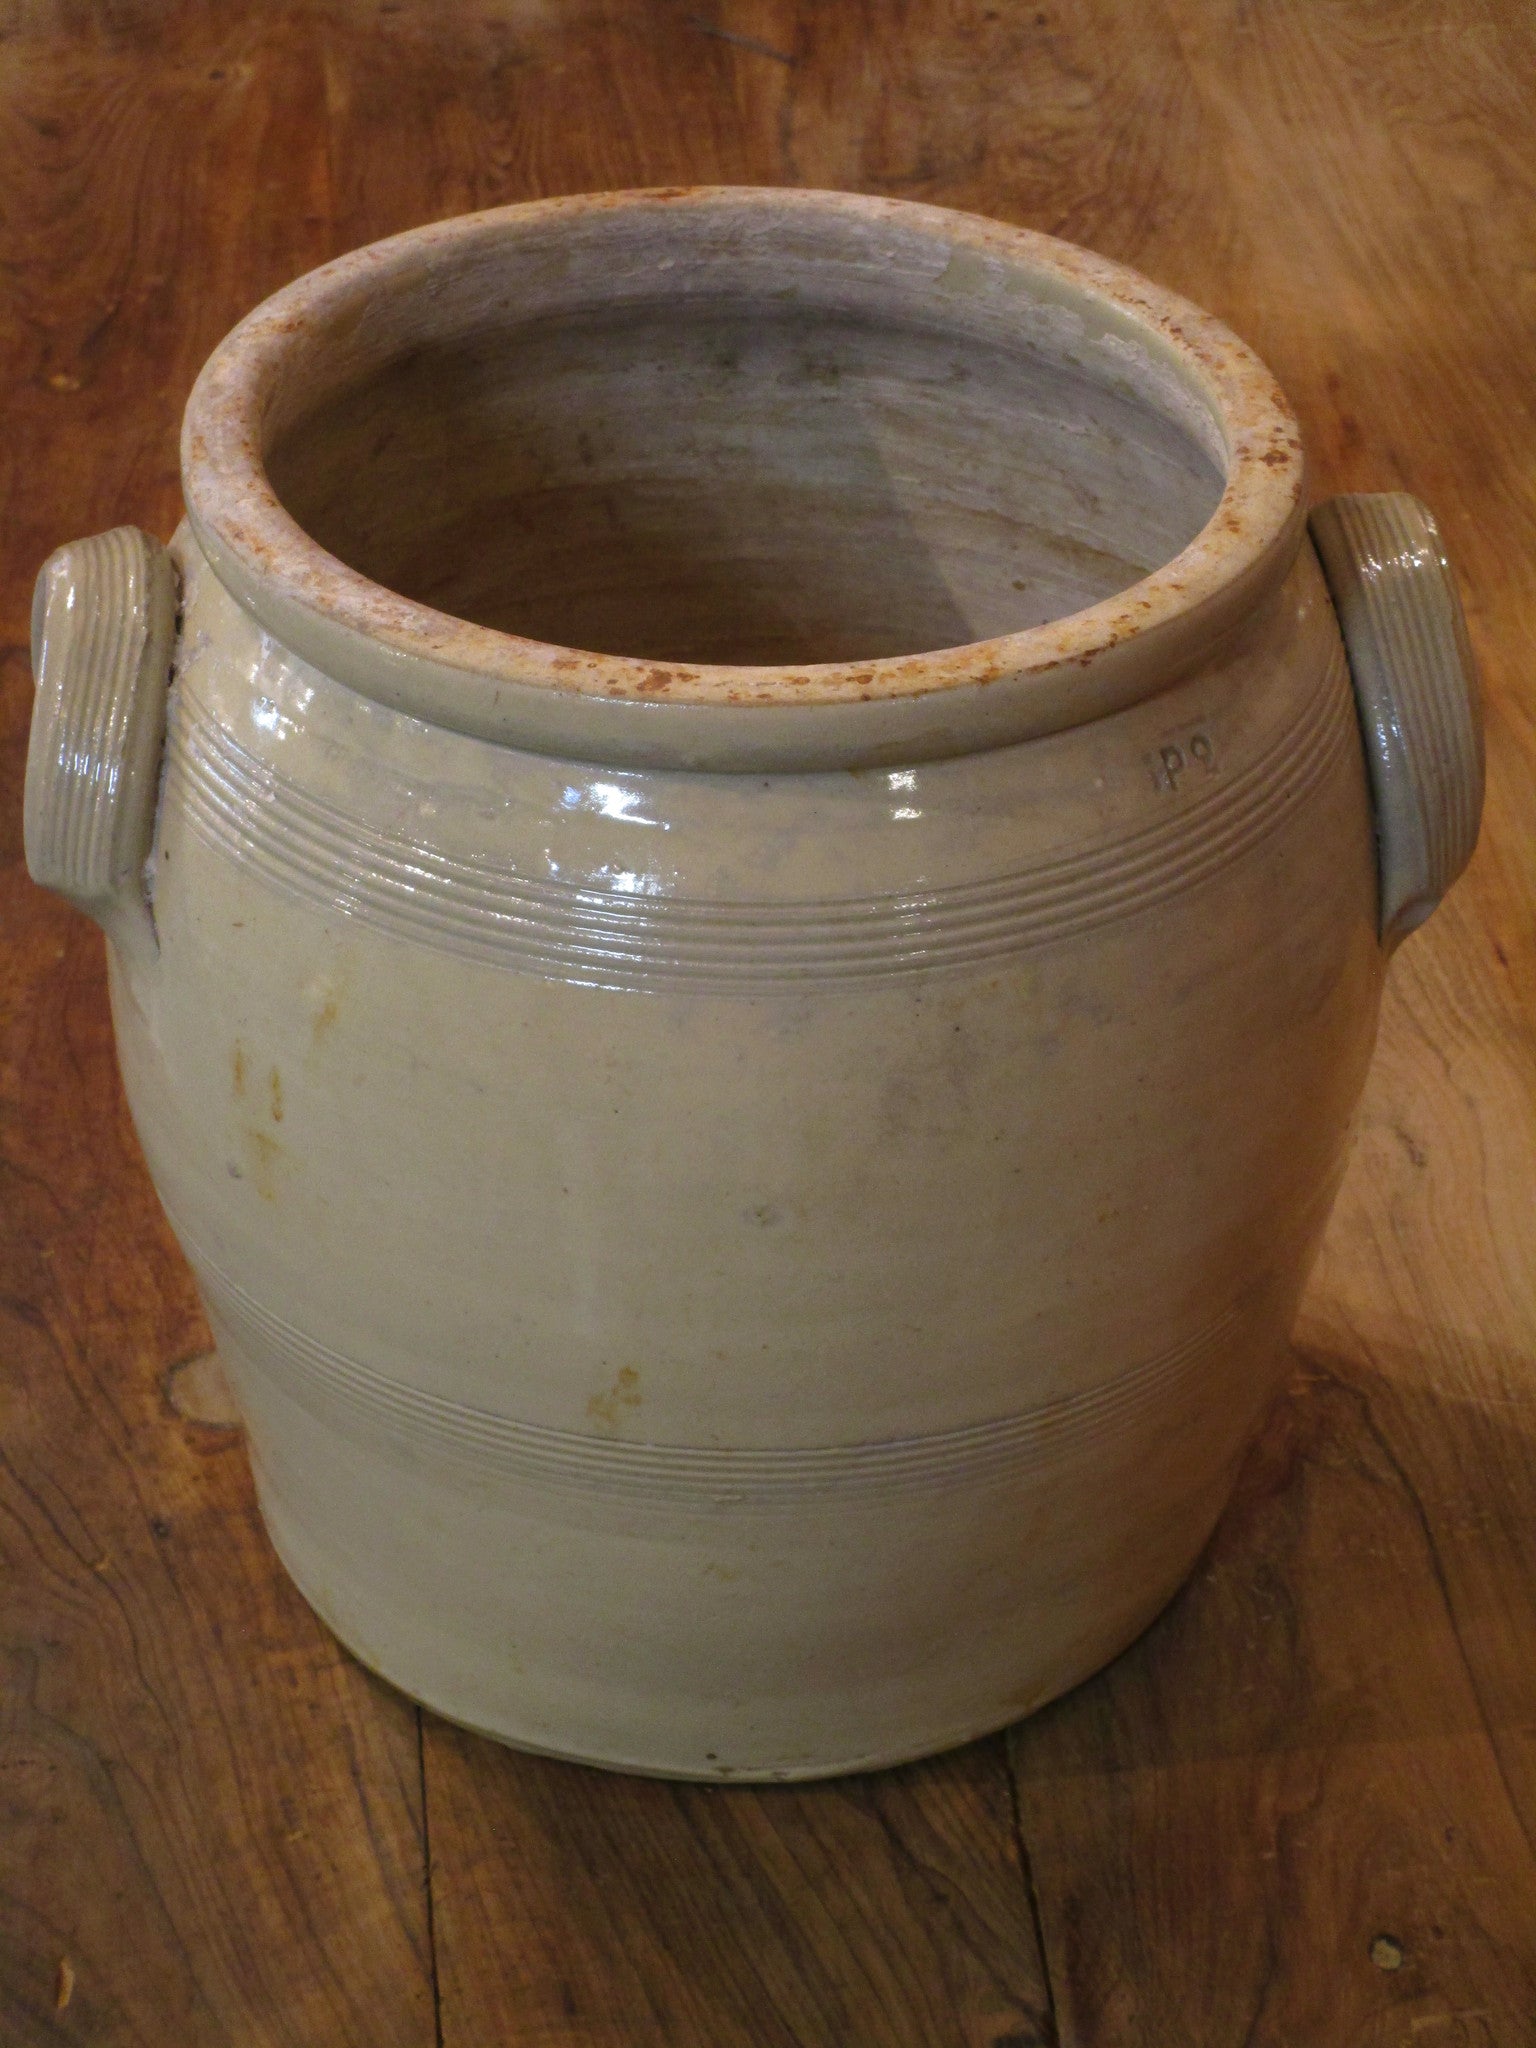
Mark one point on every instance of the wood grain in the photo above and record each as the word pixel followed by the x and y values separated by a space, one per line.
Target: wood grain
pixel 205 1808
pixel 573 1906
pixel 1303 1808
pixel 1292 1812
pixel 1345 1851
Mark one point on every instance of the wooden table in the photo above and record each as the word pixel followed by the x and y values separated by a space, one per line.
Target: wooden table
pixel 1302 1810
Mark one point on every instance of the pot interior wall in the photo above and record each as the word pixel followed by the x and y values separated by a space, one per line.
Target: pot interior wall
pixel 741 481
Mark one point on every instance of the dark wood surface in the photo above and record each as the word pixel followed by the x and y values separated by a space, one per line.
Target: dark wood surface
pixel 1302 1810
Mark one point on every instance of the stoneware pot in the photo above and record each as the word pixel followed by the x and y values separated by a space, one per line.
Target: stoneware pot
pixel 748 895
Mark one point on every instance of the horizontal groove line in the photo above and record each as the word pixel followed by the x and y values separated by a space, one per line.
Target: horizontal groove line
pixel 494 939
pixel 611 1467
pixel 914 942
pixel 239 805
pixel 1080 875
pixel 250 780
pixel 980 925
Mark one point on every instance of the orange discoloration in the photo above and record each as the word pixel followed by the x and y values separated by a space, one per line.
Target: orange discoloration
pixel 228 489
pixel 237 1068
pixel 624 1393
pixel 264 1156
pixel 275 1084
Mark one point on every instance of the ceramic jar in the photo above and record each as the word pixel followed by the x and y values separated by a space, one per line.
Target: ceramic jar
pixel 748 895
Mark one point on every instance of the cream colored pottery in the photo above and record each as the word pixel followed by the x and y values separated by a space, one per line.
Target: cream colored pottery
pixel 744 944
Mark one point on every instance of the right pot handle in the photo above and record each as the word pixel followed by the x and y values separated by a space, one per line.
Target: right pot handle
pixel 1416 689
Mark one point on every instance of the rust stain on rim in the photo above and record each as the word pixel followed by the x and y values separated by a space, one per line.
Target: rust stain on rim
pixel 1242 552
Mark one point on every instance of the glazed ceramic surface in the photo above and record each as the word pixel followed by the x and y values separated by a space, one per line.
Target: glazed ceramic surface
pixel 748 976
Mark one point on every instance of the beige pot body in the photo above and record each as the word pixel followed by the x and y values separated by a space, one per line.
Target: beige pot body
pixel 751 1273
pixel 796 1320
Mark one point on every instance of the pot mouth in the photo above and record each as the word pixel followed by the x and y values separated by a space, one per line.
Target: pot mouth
pixel 1128 363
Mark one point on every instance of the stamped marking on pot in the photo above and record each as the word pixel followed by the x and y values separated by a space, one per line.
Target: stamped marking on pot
pixel 1183 758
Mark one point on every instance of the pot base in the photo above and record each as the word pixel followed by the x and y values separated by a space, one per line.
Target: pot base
pixel 393 1668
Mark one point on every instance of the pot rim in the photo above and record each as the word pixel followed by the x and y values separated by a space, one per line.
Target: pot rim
pixel 629 710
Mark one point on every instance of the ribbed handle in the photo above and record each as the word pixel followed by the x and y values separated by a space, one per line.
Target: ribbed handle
pixel 1416 686
pixel 103 624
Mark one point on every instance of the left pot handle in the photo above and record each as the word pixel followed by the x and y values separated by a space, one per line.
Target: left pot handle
pixel 103 628
pixel 1416 689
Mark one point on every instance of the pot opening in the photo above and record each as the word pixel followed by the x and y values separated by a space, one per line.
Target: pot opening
pixel 701 459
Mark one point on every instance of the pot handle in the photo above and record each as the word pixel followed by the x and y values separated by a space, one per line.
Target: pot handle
pixel 1416 691
pixel 103 625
